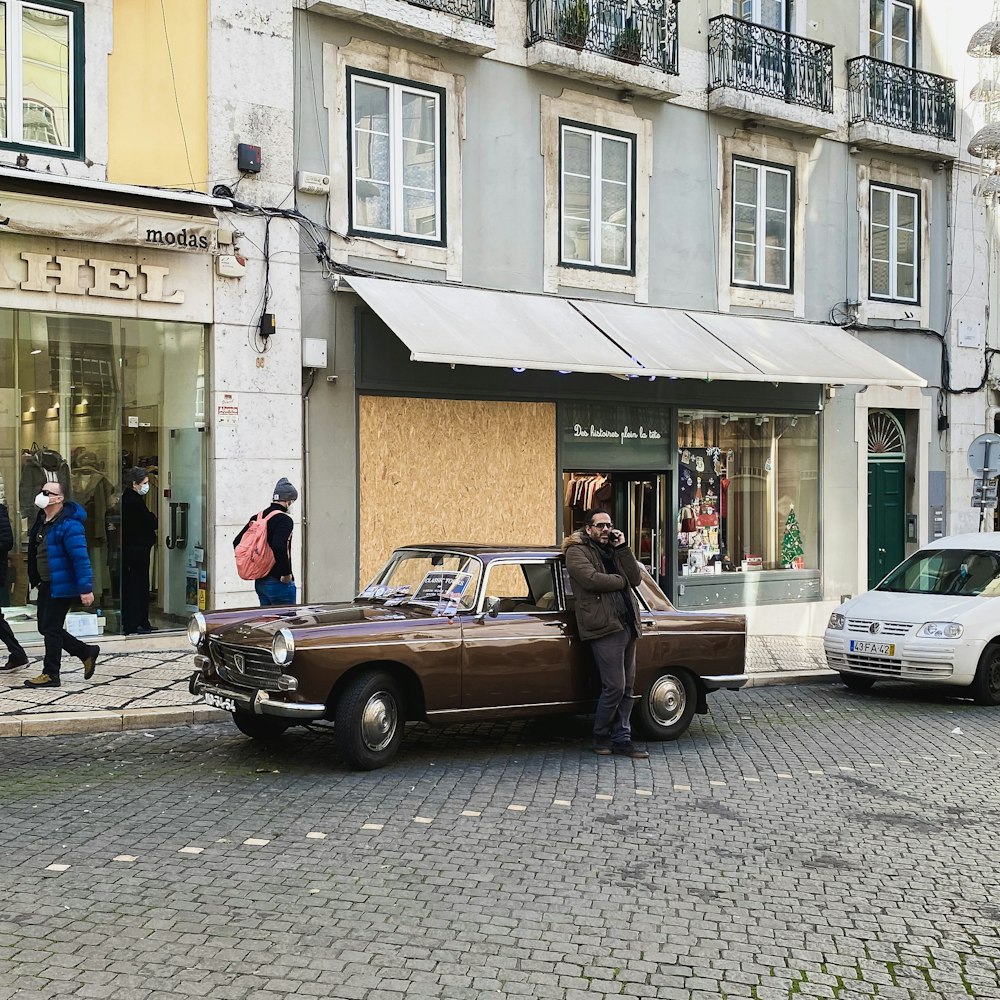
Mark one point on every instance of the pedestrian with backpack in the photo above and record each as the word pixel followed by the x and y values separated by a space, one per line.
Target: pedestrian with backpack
pixel 264 548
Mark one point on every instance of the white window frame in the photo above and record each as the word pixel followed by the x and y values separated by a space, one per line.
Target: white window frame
pixel 14 53
pixel 597 139
pixel 753 8
pixel 888 7
pixel 396 89
pixel 895 194
pixel 763 169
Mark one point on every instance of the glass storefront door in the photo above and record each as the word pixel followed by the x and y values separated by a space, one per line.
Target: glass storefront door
pixel 84 400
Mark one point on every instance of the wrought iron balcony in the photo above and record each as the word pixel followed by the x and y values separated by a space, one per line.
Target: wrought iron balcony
pixel 759 60
pixel 480 11
pixel 626 30
pixel 901 97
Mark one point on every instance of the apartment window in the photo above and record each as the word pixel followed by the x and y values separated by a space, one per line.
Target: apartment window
pixel 769 13
pixel 41 69
pixel 397 158
pixel 894 244
pixel 595 193
pixel 762 225
pixel 890 36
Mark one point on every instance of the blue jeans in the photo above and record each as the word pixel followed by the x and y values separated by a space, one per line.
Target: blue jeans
pixel 271 591
pixel 615 658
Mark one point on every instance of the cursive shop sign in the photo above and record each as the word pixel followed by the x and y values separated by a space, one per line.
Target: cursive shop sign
pixel 62 275
pixel 615 436
pixel 625 434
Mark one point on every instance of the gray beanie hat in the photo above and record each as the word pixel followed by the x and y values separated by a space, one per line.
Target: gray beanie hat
pixel 283 490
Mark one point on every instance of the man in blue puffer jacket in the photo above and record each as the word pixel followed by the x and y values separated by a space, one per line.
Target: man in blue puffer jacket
pixel 59 566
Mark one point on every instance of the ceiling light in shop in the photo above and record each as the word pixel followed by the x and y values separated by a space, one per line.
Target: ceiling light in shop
pixel 37 350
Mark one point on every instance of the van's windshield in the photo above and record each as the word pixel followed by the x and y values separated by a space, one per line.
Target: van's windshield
pixel 962 572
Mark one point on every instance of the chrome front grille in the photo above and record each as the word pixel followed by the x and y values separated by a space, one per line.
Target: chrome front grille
pixel 246 666
pixel 886 628
pixel 875 664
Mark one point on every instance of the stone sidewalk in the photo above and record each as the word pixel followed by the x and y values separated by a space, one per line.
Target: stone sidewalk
pixel 141 683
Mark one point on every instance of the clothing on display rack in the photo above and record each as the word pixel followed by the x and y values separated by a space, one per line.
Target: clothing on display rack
pixel 96 494
pixel 586 491
pixel 41 465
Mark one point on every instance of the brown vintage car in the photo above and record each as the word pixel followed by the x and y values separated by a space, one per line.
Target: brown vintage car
pixel 451 633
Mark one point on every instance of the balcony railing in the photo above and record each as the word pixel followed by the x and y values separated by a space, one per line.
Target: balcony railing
pixel 641 33
pixel 901 97
pixel 480 11
pixel 760 60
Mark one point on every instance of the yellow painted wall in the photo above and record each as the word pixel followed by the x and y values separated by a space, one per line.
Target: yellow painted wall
pixel 146 144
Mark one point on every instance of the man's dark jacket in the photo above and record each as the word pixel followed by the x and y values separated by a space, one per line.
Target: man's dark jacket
pixel 593 585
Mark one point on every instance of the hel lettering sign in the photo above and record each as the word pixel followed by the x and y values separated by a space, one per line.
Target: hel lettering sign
pixel 60 274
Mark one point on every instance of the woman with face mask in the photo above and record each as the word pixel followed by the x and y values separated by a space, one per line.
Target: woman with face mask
pixel 138 538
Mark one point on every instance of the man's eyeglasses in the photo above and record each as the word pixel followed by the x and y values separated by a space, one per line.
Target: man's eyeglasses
pixel 47 493
pixel 602 525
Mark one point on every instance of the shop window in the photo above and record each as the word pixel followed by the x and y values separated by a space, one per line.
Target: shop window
pixel 890 33
pixel 762 225
pixel 894 249
pixel 41 92
pixel 595 195
pixel 397 163
pixel 748 505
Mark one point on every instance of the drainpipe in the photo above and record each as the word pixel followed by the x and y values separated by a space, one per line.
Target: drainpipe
pixel 311 377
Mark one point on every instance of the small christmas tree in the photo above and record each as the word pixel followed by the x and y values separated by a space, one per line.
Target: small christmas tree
pixel 791 544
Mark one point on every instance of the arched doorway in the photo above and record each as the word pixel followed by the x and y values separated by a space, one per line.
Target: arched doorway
pixel 886 494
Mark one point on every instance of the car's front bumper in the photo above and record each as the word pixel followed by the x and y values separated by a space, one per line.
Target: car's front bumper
pixel 255 701
pixel 935 661
pixel 731 682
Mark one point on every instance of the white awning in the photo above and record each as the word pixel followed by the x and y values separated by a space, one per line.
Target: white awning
pixel 474 326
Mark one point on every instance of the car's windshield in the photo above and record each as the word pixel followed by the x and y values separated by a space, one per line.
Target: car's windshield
pixel 445 581
pixel 962 572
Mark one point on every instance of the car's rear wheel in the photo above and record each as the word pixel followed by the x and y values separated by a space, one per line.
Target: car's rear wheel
pixel 369 720
pixel 856 682
pixel 667 707
pixel 264 728
pixel 986 686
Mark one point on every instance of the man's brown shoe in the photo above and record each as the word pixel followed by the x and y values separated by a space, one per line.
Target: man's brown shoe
pixel 42 681
pixel 629 750
pixel 91 662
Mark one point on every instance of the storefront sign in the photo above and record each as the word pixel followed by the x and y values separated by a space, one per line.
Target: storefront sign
pixel 615 436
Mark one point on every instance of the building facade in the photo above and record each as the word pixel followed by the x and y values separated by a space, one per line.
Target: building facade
pixel 696 263
pixel 135 262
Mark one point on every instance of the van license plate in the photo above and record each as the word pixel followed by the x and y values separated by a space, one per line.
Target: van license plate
pixel 216 701
pixel 873 648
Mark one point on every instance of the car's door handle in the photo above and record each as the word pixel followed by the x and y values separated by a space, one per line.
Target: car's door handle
pixel 555 625
pixel 648 623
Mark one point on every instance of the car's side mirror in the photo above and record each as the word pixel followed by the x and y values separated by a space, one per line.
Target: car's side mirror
pixel 492 606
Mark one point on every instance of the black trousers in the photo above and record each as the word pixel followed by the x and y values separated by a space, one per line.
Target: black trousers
pixel 8 638
pixel 135 588
pixel 51 623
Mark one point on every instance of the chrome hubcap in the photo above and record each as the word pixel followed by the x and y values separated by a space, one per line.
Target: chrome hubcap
pixel 379 720
pixel 667 700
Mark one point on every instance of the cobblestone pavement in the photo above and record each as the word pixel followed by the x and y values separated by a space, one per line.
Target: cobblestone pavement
pixel 798 842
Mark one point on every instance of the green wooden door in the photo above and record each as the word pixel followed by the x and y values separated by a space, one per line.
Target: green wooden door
pixel 886 518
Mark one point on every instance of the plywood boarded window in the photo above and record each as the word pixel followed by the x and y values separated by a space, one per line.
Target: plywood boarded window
pixel 439 470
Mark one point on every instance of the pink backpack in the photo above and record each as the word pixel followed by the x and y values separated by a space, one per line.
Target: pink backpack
pixel 254 557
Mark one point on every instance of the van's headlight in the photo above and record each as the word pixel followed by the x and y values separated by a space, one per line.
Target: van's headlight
pixel 940 630
pixel 197 629
pixel 282 647
pixel 836 621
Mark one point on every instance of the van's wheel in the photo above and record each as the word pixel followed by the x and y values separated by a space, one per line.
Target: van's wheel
pixel 856 682
pixel 986 686
pixel 264 728
pixel 667 707
pixel 369 719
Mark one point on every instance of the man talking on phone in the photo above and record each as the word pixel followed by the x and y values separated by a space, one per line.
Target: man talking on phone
pixel 604 571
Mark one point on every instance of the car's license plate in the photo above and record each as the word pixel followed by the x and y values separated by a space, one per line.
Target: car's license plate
pixel 873 648
pixel 217 701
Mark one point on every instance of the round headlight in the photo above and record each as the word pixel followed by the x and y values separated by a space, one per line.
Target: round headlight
pixel 197 629
pixel 282 647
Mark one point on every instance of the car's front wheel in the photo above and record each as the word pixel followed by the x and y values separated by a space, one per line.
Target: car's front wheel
pixel 667 707
pixel 856 682
pixel 986 686
pixel 263 728
pixel 369 720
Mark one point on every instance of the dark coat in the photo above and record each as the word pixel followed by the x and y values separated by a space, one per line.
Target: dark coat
pixel 138 521
pixel 69 561
pixel 592 584
pixel 6 542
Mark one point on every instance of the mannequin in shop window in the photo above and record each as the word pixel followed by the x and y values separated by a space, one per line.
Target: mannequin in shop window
pixel 95 493
pixel 138 529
